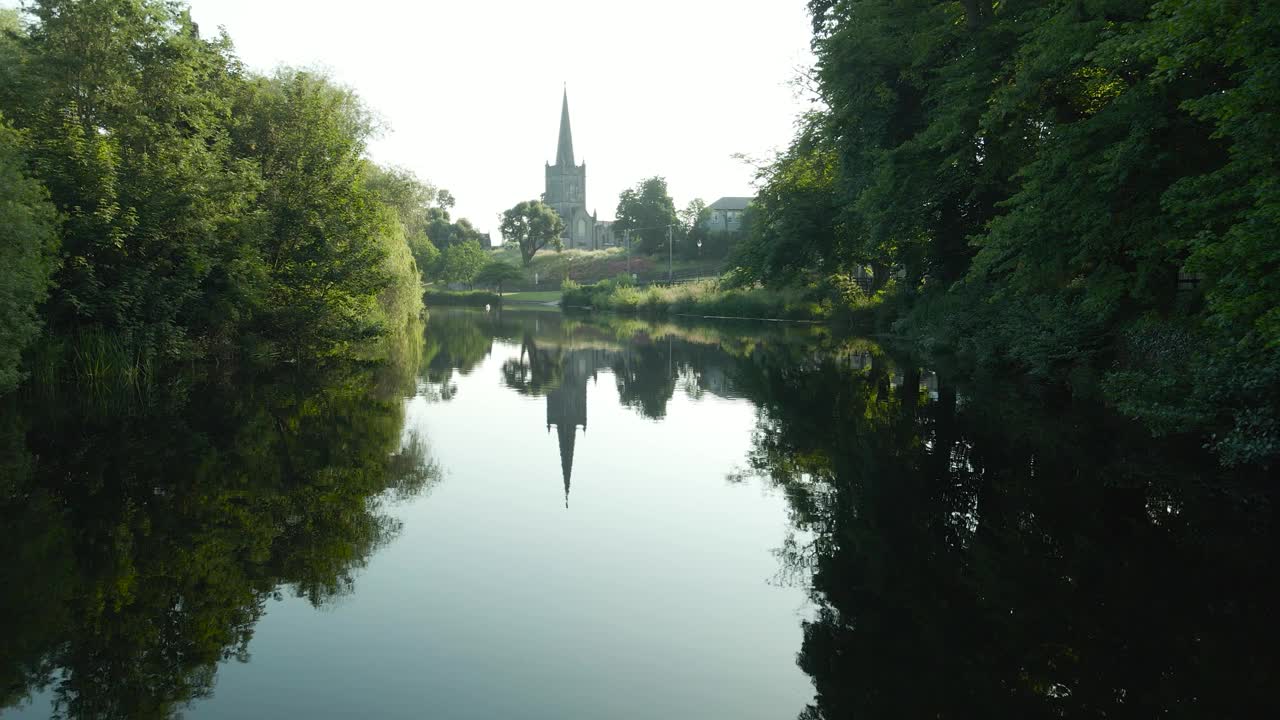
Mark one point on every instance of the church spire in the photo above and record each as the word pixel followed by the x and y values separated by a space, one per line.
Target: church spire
pixel 564 151
pixel 566 456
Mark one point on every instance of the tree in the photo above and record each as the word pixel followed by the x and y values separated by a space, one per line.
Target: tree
pixel 27 254
pixel 323 227
pixel 461 263
pixel 131 142
pixel 416 204
pixel 200 206
pixel 464 231
pixel 425 255
pixel 498 272
pixel 532 225
pixel 444 231
pixel 796 230
pixel 693 231
pixel 648 212
pixel 1071 189
pixel 694 214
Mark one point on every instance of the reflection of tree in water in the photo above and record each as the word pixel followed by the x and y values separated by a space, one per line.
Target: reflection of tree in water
pixel 972 552
pixel 1006 556
pixel 536 370
pixel 452 342
pixel 143 545
pixel 558 356
pixel 645 373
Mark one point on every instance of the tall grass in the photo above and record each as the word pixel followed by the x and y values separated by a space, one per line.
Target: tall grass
pixel 461 297
pixel 94 363
pixel 709 298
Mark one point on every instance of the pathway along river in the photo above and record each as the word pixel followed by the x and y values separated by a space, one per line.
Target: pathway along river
pixel 536 516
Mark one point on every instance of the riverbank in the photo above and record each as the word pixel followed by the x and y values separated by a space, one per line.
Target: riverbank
pixel 549 269
pixel 834 301
pixel 464 298
pixel 480 298
pixel 1152 375
pixel 705 297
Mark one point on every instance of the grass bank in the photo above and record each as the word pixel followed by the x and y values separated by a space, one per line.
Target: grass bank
pixel 714 298
pixel 591 266
pixel 477 298
pixel 836 299
pixel 533 296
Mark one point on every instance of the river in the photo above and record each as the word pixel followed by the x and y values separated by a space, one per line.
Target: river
pixel 536 515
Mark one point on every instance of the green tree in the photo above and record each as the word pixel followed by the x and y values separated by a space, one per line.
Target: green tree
pixel 204 208
pixel 497 272
pixel 28 244
pixel 648 212
pixel 1068 189
pixel 693 232
pixel 425 255
pixel 465 232
pixel 411 197
pixel 442 229
pixel 795 235
pixel 461 263
pixel 131 141
pixel 532 225
pixel 414 202
pixel 323 232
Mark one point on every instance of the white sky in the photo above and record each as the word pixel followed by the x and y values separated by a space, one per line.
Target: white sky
pixel 471 90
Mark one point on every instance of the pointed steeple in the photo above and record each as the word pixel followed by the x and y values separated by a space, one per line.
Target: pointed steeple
pixel 566 436
pixel 564 151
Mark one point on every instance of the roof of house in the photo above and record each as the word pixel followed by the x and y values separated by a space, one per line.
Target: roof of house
pixel 730 203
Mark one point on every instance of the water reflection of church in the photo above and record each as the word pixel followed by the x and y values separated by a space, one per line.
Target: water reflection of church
pixel 646 377
pixel 567 405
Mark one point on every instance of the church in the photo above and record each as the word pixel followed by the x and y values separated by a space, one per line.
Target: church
pixel 566 193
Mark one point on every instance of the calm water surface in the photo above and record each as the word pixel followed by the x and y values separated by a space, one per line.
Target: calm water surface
pixel 536 516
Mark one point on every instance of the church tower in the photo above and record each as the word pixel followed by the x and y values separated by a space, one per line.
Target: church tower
pixel 567 408
pixel 566 189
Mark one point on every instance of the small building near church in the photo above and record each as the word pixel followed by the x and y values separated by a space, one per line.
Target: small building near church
pixel 726 214
pixel 604 236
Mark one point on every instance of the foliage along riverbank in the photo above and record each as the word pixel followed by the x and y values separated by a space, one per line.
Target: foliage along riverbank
pixel 466 298
pixel 147 537
pixel 164 204
pixel 1082 193
pixel 717 298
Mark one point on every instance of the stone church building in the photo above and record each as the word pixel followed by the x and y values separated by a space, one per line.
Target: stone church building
pixel 566 193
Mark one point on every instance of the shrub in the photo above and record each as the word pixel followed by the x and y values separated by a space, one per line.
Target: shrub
pixel 705 297
pixel 462 297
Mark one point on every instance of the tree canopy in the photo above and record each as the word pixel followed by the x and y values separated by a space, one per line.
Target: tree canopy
pixel 496 273
pixel 1073 189
pixel 532 225
pixel 200 209
pixel 27 254
pixel 648 213
pixel 461 263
